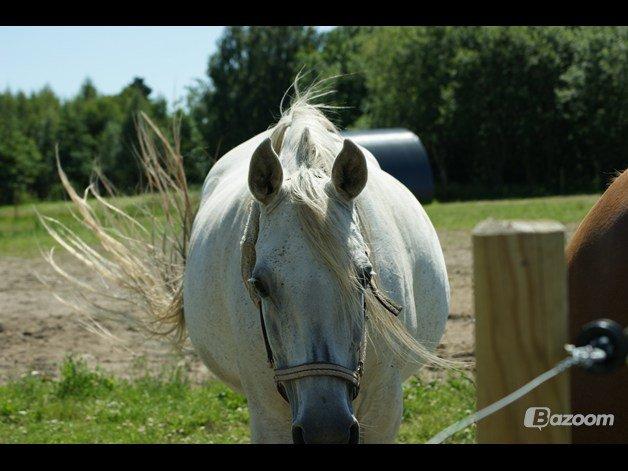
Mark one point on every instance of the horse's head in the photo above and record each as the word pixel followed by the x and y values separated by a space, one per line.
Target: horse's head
pixel 309 273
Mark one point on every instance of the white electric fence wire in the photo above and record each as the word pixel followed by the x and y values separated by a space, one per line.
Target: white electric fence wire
pixel 585 356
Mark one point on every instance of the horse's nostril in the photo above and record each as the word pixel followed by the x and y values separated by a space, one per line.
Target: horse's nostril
pixel 297 435
pixel 324 436
pixel 354 433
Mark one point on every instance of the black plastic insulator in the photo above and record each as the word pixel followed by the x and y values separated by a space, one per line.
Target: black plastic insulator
pixel 606 335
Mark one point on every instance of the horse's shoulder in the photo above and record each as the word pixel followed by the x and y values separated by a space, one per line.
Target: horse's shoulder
pixel 605 224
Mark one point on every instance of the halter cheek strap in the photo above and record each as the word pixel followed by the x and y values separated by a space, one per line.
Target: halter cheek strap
pixel 387 303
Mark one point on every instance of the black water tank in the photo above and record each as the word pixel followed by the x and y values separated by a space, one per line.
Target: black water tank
pixel 400 153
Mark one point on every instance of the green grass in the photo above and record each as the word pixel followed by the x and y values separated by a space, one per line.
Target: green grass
pixel 465 215
pixel 430 406
pixel 88 406
pixel 21 234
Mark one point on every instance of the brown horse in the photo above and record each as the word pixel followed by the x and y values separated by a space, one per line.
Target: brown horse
pixel 597 258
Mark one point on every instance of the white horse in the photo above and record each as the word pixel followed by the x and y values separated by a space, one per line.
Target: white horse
pixel 301 252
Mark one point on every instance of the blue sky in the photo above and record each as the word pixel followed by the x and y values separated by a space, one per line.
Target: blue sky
pixel 168 58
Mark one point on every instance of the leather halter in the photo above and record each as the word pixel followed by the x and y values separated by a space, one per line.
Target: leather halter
pixel 305 370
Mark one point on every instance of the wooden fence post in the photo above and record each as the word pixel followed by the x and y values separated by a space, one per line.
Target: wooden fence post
pixel 520 292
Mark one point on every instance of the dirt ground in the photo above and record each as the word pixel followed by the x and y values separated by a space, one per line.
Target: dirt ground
pixel 37 331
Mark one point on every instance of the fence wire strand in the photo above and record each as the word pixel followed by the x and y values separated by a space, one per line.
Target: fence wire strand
pixel 578 356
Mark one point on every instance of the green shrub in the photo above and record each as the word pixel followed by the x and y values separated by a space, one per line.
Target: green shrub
pixel 78 380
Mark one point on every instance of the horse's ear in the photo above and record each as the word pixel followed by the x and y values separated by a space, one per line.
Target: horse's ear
pixel 265 172
pixel 349 173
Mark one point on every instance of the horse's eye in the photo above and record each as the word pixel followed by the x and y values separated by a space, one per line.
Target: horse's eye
pixel 259 287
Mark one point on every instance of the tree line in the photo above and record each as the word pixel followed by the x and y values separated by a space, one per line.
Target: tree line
pixel 502 111
pixel 93 133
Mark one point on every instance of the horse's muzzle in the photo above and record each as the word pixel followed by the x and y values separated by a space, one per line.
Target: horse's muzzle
pixel 323 412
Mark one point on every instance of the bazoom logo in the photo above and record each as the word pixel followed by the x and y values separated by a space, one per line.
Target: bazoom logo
pixel 539 417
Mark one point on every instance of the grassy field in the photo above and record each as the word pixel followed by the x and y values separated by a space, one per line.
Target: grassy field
pixel 465 215
pixel 89 406
pixel 22 235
